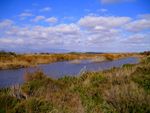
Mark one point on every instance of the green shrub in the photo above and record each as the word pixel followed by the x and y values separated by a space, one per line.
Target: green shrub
pixel 146 60
pixel 128 65
pixel 34 105
pixel 98 80
pixel 128 98
pixel 118 90
pixel 7 103
pixel 142 77
pixel 68 80
pixel 91 98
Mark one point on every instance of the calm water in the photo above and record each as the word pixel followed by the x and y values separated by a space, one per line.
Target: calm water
pixel 59 69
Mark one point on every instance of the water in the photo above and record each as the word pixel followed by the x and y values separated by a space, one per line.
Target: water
pixel 59 69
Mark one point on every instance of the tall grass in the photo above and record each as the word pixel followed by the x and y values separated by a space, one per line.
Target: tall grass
pixel 118 90
pixel 12 61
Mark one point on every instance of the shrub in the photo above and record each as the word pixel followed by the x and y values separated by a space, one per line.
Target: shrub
pixel 33 105
pixel 7 103
pixel 98 80
pixel 128 65
pixel 68 80
pixel 37 75
pixel 128 98
pixel 91 98
pixel 142 77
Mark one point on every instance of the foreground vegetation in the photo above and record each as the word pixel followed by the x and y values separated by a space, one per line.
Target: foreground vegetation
pixel 118 90
pixel 10 60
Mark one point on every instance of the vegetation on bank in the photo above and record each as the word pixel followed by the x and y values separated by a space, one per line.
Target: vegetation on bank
pixel 11 60
pixel 118 90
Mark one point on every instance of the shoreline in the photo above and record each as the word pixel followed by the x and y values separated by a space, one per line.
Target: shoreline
pixel 91 91
pixel 57 75
pixel 28 60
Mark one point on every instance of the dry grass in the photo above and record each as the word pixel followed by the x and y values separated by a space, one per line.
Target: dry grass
pixel 26 60
pixel 118 90
pixel 128 98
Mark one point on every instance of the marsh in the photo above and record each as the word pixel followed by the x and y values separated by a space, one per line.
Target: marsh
pixel 59 69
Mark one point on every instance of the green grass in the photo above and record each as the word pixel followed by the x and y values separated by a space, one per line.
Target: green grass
pixel 118 90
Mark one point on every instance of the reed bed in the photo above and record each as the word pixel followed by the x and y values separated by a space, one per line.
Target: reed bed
pixel 117 90
pixel 13 61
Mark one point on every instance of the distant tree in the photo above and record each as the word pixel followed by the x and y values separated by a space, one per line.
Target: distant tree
pixel 146 53
pixel 4 53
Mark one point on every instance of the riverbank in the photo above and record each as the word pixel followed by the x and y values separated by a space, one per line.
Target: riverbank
pixel 55 70
pixel 15 61
pixel 118 90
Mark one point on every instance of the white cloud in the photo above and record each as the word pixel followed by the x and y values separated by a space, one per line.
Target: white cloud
pixel 6 23
pixel 66 28
pixel 11 41
pixel 45 9
pixel 138 40
pixel 25 15
pixel 68 18
pixel 138 25
pixel 38 18
pixel 51 20
pixel 103 10
pixel 145 16
pixel 43 18
pixel 107 22
pixel 88 33
pixel 115 1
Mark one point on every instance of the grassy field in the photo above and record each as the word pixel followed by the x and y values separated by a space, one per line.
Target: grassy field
pixel 118 90
pixel 10 60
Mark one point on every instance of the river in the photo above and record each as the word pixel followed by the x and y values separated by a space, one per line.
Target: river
pixel 60 69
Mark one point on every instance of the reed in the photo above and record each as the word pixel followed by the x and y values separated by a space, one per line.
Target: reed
pixel 13 61
pixel 118 90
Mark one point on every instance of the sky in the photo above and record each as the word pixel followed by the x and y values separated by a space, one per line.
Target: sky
pixel 75 25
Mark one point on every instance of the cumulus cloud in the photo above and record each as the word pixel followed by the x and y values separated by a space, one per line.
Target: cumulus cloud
pixel 115 1
pixel 137 39
pixel 103 22
pixel 136 42
pixel 145 16
pixel 38 18
pixel 25 14
pixel 51 20
pixel 68 18
pixel 103 10
pixel 45 9
pixel 6 23
pixel 44 19
pixel 11 41
pixel 138 25
pixel 88 33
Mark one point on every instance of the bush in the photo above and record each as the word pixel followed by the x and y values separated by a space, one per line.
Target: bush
pixel 33 105
pixel 37 75
pixel 118 90
pixel 7 103
pixel 68 80
pixel 4 53
pixel 98 80
pixel 91 98
pixel 128 98
pixel 128 65
pixel 142 77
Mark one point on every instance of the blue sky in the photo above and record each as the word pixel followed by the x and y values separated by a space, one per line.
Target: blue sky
pixel 75 25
